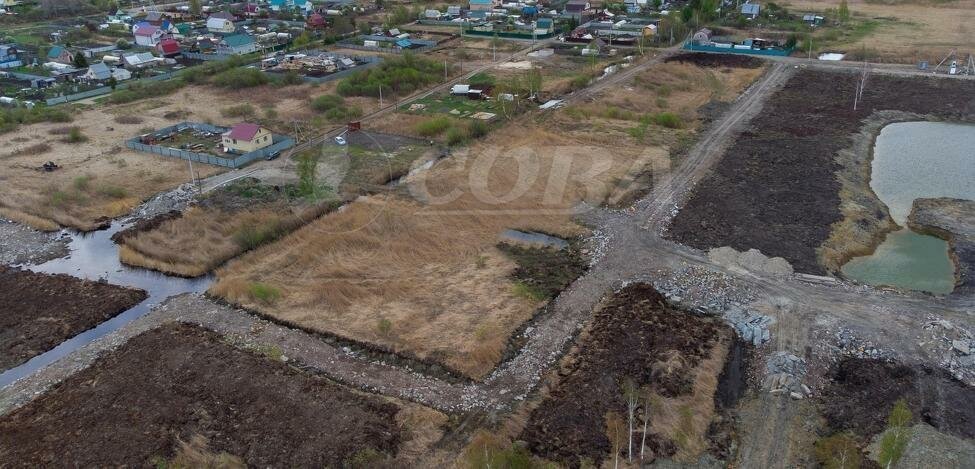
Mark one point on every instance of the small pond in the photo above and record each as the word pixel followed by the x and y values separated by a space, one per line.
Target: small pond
pixel 914 160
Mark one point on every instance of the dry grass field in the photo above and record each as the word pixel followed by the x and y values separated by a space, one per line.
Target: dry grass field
pixel 923 30
pixel 100 179
pixel 421 275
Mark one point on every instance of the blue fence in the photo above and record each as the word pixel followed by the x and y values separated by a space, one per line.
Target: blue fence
pixel 731 50
pixel 280 143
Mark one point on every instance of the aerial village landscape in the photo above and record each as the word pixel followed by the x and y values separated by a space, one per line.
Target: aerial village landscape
pixel 487 234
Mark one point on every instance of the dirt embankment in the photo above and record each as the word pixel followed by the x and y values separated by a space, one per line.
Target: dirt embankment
pixel 861 393
pixel 179 383
pixel 672 358
pixel 39 311
pixel 786 188
pixel 953 220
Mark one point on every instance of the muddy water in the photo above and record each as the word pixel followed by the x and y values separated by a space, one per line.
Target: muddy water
pixel 915 160
pixel 94 256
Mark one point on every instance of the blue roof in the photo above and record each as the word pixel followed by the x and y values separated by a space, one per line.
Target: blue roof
pixel 404 43
pixel 55 52
pixel 482 2
pixel 277 3
pixel 544 22
pixel 238 40
pixel 529 11
pixel 750 8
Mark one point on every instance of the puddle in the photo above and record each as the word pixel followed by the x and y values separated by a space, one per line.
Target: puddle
pixel 532 238
pixel 909 260
pixel 94 256
pixel 915 160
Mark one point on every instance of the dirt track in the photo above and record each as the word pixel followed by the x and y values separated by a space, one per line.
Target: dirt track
pixel 40 311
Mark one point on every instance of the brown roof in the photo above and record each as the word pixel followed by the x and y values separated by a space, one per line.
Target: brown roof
pixel 244 131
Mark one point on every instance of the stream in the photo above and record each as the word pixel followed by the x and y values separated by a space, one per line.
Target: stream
pixel 914 160
pixel 94 256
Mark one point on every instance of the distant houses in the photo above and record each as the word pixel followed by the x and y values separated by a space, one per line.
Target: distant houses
pixel 481 5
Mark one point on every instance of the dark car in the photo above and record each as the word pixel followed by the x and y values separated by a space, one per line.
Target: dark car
pixel 272 155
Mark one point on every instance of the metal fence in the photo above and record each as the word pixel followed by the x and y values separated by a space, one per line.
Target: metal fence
pixel 280 143
pixel 351 44
pixel 370 62
pixel 104 90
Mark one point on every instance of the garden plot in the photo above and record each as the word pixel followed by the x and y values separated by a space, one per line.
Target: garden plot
pixel 638 350
pixel 40 311
pixel 202 401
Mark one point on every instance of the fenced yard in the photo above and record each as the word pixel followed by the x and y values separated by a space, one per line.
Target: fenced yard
pixel 227 160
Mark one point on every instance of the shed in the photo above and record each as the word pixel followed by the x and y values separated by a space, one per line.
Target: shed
pixel 750 10
pixel 168 48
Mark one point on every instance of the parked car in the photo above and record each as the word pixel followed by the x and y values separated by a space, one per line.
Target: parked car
pixel 340 140
pixel 273 155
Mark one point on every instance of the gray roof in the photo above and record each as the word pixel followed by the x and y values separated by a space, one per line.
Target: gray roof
pixel 100 71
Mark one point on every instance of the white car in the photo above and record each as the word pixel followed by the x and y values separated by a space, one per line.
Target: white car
pixel 340 140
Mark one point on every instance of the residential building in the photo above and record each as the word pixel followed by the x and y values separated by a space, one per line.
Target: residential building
pixel 577 8
pixel 245 138
pixel 100 71
pixel 140 60
pixel 481 5
pixel 168 48
pixel 238 44
pixel 10 56
pixel 750 10
pixel 147 35
pixel 813 19
pixel 220 25
pixel 60 54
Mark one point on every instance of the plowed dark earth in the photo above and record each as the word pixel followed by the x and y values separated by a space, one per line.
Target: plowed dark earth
pixel 181 382
pixel 629 338
pixel 39 311
pixel 717 60
pixel 775 189
pixel 862 392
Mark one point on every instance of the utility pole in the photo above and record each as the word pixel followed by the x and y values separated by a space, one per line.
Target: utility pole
pixel 380 96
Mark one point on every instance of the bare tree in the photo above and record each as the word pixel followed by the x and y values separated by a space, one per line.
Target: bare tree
pixel 647 407
pixel 631 393
pixel 614 431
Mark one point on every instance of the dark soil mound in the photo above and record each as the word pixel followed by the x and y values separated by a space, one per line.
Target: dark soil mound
pixel 775 189
pixel 146 224
pixel 716 60
pixel 547 270
pixel 39 311
pixel 630 337
pixel 862 392
pixel 180 382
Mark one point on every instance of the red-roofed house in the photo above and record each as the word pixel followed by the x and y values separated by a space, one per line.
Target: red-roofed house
pixel 245 138
pixel 168 48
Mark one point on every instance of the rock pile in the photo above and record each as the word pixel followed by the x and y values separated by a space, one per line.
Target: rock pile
pixel 750 326
pixel 785 372
pixel 952 345
pixel 176 199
